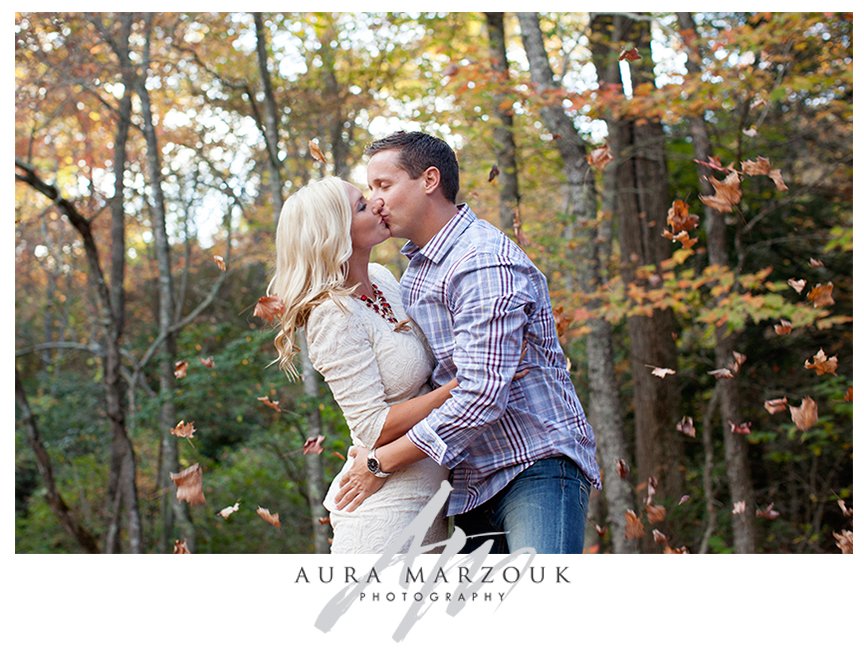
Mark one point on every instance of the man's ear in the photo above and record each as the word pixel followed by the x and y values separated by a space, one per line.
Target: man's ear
pixel 431 179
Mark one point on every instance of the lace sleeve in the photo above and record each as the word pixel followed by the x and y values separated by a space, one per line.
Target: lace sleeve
pixel 340 349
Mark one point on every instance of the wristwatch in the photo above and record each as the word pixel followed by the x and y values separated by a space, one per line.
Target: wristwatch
pixel 374 466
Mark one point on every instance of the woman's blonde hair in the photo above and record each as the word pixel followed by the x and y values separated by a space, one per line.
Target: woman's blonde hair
pixel 313 244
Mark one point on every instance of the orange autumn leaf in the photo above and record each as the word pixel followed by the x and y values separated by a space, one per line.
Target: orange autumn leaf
pixel 820 295
pixel 622 468
pixel 338 455
pixel 313 445
pixel 726 193
pixel 656 514
pixel 776 176
pixel 230 510
pixel 273 405
pixel 273 519
pixel 316 152
pixel 208 362
pixel 599 157
pixel 180 547
pixel 631 54
pixel 681 550
pixel 633 528
pixel 776 405
pixel 493 173
pixel 848 396
pixel 678 217
pixel 220 262
pixel 686 426
pixel 682 238
pixel 323 521
pixel 768 512
pixel 269 308
pixel 743 428
pixel 784 327
pixel 184 430
pixel 821 364
pixel 601 530
pixel 660 538
pixel 806 415
pixel 798 285
pixel 759 167
pixel 180 368
pixel 190 485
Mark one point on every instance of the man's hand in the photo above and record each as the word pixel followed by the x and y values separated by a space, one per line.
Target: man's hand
pixel 358 483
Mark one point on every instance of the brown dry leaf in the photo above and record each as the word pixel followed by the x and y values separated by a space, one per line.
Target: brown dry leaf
pixel 806 415
pixel 682 238
pixel 631 54
pixel 816 264
pixel 848 396
pixel 684 499
pixel 190 485
pixel 759 167
pixel 633 528
pixel 768 512
pixel 316 152
pixel 721 373
pixel 323 520
pixel 714 163
pixel 264 513
pixel 726 193
pixel 847 512
pixel 743 428
pixel 784 327
pixel 623 468
pixel 681 550
pixel 821 364
pixel 313 445
pixel 798 285
pixel 180 368
pixel 656 514
pixel 269 308
pixel 651 489
pixel 230 510
pixel 776 405
pixel 600 157
pixel 776 176
pixel 601 530
pixel 844 541
pixel 686 426
pixel 751 132
pixel 820 295
pixel 220 262
pixel 660 372
pixel 184 430
pixel 273 405
pixel 739 508
pixel 338 455
pixel 660 538
pixel 450 70
pixel 208 362
pixel 493 173
pixel 678 217
pixel 403 326
pixel 180 547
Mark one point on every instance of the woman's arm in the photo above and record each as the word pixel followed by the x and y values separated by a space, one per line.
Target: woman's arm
pixel 401 417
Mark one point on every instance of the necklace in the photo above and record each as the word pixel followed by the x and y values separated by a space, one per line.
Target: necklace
pixel 379 304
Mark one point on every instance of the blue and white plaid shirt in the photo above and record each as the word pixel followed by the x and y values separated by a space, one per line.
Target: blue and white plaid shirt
pixel 477 297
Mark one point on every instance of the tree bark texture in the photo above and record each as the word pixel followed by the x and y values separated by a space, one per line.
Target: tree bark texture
pixel 271 116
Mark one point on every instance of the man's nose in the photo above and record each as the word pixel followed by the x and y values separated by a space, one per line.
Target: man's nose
pixel 377 204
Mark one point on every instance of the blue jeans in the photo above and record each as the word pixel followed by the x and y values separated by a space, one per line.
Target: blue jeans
pixel 544 508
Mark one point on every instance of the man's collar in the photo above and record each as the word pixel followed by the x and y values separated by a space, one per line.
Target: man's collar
pixel 437 248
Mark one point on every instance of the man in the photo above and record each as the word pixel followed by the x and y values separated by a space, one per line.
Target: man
pixel 521 452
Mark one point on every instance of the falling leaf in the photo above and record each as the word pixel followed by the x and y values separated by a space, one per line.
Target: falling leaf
pixel 316 152
pixel 759 167
pixel 721 373
pixel 403 326
pixel 682 238
pixel 631 54
pixel 820 295
pixel 313 445
pixel 601 530
pixel 726 193
pixel 273 405
pixel 230 510
pixel 323 520
pixel 338 455
pixel 450 70
pixel 220 262
pixel 738 360
pixel 784 327
pixel 816 264
pixel 652 489
pixel 660 372
pixel 776 176
pixel 714 163
pixel 656 514
pixel 806 415
pixel 768 512
pixel 208 362
pixel 269 308
pixel 848 396
pixel 847 512
pixel 844 541
pixel 180 368
pixel 739 508
pixel 493 173
pixel 798 285
pixel 633 528
pixel 599 157
pixel 180 547
pixel 686 426
pixel 264 513
pixel 681 550
pixel 189 484
pixel 684 499
pixel 184 430
pixel 678 217
pixel 751 132
pixel 623 468
pixel 821 364
pixel 742 428
pixel 776 405
pixel 660 538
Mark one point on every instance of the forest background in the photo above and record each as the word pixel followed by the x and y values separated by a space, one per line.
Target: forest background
pixel 683 180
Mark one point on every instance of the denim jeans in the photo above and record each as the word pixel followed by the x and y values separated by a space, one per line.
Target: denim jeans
pixel 543 508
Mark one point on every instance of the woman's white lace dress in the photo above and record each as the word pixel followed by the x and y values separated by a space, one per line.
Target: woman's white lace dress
pixel 369 366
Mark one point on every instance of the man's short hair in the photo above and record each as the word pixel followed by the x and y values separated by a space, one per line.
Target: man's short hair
pixel 420 151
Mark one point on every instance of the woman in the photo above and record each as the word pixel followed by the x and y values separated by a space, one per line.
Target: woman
pixel 376 363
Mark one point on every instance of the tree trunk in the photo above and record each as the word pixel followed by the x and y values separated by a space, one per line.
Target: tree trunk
pixel 734 445
pixel 581 203
pixel 641 206
pixel 175 514
pixel 271 116
pixel 505 145
pixel 314 468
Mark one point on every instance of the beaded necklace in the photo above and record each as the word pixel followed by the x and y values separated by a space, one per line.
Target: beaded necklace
pixel 379 303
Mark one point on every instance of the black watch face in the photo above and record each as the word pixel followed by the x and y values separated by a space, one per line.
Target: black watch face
pixel 372 464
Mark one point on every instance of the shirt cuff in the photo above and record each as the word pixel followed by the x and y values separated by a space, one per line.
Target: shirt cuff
pixel 431 444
